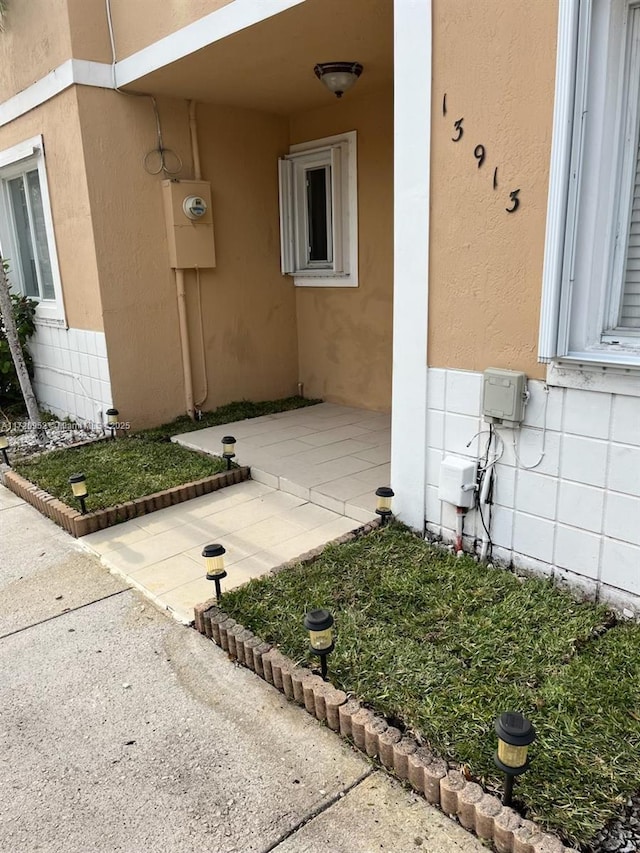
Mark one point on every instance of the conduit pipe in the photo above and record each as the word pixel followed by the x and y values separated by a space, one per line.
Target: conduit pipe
pixel 184 342
pixel 195 151
pixel 197 175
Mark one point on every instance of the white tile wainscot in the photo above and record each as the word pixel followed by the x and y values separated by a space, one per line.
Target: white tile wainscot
pixel 71 372
pixel 572 512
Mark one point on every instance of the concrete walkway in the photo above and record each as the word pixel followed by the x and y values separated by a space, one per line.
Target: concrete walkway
pixel 315 472
pixel 125 731
pixel 161 553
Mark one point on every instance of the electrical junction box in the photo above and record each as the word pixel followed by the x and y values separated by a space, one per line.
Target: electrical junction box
pixel 504 396
pixel 187 208
pixel 458 481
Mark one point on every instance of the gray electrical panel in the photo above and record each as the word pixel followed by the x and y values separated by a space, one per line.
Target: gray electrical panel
pixel 504 395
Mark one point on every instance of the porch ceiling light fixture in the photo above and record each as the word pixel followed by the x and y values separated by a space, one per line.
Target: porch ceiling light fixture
pixel 228 449
pixel 78 483
pixel 4 445
pixel 384 495
pixel 112 420
pixel 338 77
pixel 515 733
pixel 319 624
pixel 214 564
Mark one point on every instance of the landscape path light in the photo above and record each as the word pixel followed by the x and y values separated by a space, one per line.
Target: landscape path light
pixel 384 495
pixel 228 449
pixel 112 420
pixel 79 488
pixel 214 564
pixel 4 445
pixel 515 734
pixel 319 624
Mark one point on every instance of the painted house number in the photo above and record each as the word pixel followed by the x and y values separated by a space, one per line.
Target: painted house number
pixel 480 154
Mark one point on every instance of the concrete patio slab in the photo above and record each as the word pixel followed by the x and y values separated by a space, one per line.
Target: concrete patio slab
pixel 328 454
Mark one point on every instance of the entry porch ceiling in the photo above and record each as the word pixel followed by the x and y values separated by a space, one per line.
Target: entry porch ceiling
pixel 269 66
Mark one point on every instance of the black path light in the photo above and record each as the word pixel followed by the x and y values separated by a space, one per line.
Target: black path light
pixel 228 449
pixel 214 564
pixel 319 624
pixel 79 488
pixel 384 495
pixel 4 446
pixel 515 733
pixel 112 420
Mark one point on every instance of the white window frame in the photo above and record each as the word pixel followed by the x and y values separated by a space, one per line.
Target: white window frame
pixel 27 156
pixel 595 130
pixel 340 154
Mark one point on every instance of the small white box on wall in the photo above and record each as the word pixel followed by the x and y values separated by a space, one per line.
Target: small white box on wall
pixel 504 396
pixel 457 481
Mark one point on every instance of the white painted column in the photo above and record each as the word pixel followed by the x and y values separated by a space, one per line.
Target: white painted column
pixel 412 153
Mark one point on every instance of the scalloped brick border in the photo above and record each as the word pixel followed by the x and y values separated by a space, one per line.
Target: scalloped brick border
pixel 477 811
pixel 80 525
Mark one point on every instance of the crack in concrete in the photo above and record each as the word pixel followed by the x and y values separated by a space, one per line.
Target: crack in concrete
pixel 64 613
pixel 318 811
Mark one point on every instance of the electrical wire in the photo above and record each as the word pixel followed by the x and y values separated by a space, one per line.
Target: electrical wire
pixel 544 438
pixel 160 150
pixel 488 470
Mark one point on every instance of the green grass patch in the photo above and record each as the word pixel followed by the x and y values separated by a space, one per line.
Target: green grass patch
pixel 141 463
pixel 445 644
pixel 237 411
pixel 118 471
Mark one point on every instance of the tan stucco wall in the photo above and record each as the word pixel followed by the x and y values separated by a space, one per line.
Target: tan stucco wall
pixel 57 121
pixel 139 24
pixel 345 334
pixel 248 308
pixel 89 30
pixel 36 39
pixel 496 63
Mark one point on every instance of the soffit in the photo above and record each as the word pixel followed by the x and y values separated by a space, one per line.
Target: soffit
pixel 269 66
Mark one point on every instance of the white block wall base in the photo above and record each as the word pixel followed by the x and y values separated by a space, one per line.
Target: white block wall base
pixel 571 510
pixel 71 373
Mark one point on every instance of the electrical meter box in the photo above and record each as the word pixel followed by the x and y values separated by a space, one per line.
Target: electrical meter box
pixel 457 481
pixel 187 208
pixel 504 395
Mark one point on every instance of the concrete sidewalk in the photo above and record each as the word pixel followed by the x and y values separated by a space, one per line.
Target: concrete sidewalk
pixel 123 730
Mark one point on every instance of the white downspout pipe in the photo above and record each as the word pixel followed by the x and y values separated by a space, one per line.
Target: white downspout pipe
pixel 412 153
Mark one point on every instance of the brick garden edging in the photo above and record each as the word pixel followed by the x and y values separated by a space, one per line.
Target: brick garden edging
pixel 80 525
pixel 401 755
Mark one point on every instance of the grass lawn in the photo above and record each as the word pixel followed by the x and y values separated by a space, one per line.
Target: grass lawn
pixel 142 463
pixel 237 411
pixel 118 471
pixel 445 644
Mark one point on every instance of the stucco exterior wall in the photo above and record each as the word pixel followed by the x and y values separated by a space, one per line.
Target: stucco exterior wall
pixel 139 24
pixel 248 308
pixel 495 62
pixel 344 334
pixel 89 30
pixel 35 40
pixel 57 121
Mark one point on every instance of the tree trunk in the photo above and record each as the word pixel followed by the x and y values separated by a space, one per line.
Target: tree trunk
pixel 9 322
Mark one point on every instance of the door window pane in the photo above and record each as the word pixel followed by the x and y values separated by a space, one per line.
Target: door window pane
pixel 318 205
pixel 39 229
pixel 23 235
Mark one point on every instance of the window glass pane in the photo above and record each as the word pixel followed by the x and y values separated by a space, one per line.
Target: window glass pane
pixel 42 247
pixel 23 235
pixel 317 207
